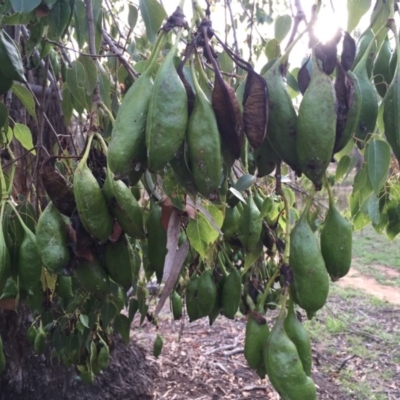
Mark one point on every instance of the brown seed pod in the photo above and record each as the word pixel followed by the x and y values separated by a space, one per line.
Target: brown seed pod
pixel 348 51
pixel 255 108
pixel 57 187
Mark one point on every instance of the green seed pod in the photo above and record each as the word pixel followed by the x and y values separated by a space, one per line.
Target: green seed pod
pixel 369 103
pixel 51 240
pixel 204 143
pixel 381 72
pixel 250 225
pixel 282 121
pixel 127 148
pixel 31 334
pixel 316 136
pixel 363 47
pixel 158 345
pixel 90 202
pixel 231 292
pixel 92 277
pixel 29 263
pixel 257 333
pixel 176 305
pixel 123 206
pixel 391 109
pixel 39 344
pixel 119 262
pixel 4 255
pixel 230 227
pixel 191 298
pixel 336 243
pixel 266 158
pixel 299 336
pixel 64 287
pixel 284 367
pixel 167 116
pixel 156 240
pixel 345 129
pixel 103 356
pixel 310 284
pixel 206 293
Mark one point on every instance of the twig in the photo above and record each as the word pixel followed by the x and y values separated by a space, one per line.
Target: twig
pixel 344 362
pixel 113 18
pixel 300 16
pixel 254 387
pixel 234 351
pixel 235 41
pixel 96 99
pixel 252 21
pixel 131 72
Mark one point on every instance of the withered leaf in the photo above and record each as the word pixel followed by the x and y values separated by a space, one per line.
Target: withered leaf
pixel 255 108
pixel 57 187
pixel 229 118
pixel 344 89
pixel 303 77
pixel 348 51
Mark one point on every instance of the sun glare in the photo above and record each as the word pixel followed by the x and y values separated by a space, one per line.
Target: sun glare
pixel 329 22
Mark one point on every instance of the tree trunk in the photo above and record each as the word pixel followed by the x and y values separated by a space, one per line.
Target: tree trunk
pixel 29 376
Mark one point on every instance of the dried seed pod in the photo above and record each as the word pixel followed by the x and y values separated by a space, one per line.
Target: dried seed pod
pixel 348 51
pixel 57 187
pixel 327 53
pixel 255 108
pixel 304 77
pixel 348 109
pixel 228 115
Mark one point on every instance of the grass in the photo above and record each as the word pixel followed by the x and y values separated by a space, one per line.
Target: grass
pixel 367 333
pixel 371 251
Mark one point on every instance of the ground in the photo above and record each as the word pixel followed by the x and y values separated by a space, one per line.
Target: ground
pixel 355 340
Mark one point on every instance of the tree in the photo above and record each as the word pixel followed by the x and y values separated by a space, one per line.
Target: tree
pixel 153 149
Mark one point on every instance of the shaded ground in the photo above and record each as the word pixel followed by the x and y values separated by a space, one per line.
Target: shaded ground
pixel 356 351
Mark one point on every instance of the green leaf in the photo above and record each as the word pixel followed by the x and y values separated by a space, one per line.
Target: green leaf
pixel 122 326
pixel 3 117
pixel 272 49
pixel 225 62
pixel 153 15
pixel 282 27
pixel 26 98
pixel 24 6
pixel 132 16
pixel 355 10
pixel 66 104
pixel 81 29
pixel 105 89
pixel 200 231
pixel 244 182
pixel 378 163
pixel 360 180
pixel 253 256
pixel 23 134
pixel 133 308
pixel 237 194
pixel 59 17
pixel 373 209
pixel 361 220
pixel 84 320
pixel 393 226
pixel 76 80
pixel 108 312
pixel 342 167
pixel 90 72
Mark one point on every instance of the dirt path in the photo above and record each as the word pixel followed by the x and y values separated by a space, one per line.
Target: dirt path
pixel 355 279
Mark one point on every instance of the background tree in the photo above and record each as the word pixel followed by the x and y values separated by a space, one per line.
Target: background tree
pixel 139 145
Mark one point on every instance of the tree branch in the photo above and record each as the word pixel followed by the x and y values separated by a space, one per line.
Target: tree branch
pixel 300 16
pixel 235 41
pixel 92 50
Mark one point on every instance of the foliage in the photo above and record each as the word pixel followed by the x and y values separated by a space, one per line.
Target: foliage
pixel 166 166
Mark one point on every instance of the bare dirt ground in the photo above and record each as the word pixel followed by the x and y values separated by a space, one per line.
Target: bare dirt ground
pixel 207 363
